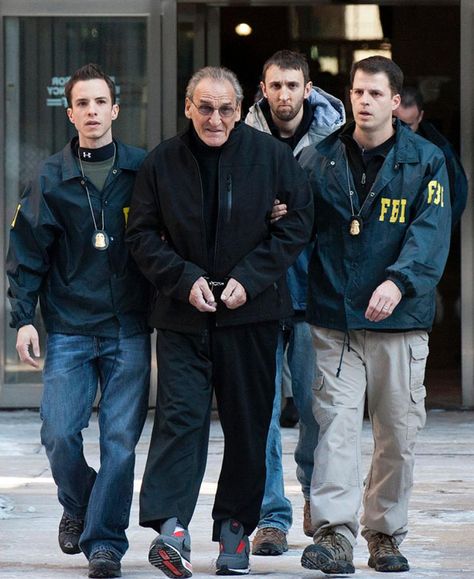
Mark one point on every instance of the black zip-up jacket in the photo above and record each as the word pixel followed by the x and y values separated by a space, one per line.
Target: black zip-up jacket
pixel 81 290
pixel 167 232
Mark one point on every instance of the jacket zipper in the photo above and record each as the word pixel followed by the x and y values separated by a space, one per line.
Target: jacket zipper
pixel 228 207
pixel 229 198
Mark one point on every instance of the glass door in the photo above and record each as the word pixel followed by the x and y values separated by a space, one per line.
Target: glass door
pixel 41 52
pixel 38 52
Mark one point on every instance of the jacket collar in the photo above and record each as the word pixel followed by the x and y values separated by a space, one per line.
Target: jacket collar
pixel 405 149
pixel 328 111
pixel 70 166
pixel 328 115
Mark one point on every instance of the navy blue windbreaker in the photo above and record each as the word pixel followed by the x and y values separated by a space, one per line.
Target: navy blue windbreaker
pixel 405 235
pixel 458 185
pixel 81 290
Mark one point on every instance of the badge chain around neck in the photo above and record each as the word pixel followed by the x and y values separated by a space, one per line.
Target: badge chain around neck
pixel 356 223
pixel 100 239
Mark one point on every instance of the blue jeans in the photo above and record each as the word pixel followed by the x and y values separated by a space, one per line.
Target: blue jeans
pixel 276 509
pixel 74 367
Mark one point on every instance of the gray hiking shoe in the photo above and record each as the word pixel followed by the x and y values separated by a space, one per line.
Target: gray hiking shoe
pixel 234 550
pixel 331 553
pixel 269 541
pixel 170 552
pixel 385 555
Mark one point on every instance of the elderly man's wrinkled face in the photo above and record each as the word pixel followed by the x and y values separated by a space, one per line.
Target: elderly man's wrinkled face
pixel 213 111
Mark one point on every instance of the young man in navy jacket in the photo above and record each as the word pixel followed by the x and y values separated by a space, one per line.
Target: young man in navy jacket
pixel 67 250
pixel 383 221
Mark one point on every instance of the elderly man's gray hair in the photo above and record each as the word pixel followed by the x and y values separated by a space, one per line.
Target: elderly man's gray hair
pixel 218 73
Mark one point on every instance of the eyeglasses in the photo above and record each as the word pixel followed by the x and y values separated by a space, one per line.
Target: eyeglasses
pixel 225 111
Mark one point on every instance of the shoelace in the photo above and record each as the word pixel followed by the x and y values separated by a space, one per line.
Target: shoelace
pixel 385 545
pixel 73 526
pixel 268 531
pixel 330 540
pixel 104 555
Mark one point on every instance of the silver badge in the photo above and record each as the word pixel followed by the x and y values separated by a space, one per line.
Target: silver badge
pixel 100 240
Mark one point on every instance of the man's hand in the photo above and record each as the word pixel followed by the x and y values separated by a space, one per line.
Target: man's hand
pixel 28 337
pixel 234 294
pixel 201 296
pixel 279 210
pixel 383 301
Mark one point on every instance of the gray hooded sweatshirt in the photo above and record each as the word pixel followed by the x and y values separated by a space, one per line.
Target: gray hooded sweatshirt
pixel 328 115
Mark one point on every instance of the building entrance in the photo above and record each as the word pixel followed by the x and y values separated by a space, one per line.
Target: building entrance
pixel 332 37
pixel 153 46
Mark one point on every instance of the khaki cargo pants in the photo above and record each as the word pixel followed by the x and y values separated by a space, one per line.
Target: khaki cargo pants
pixel 389 368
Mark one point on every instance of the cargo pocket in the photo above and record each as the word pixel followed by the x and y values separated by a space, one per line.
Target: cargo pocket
pixel 319 403
pixel 417 413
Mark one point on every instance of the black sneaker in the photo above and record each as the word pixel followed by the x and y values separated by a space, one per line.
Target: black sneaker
pixel 104 564
pixel 70 531
pixel 331 553
pixel 385 555
pixel 234 550
pixel 170 552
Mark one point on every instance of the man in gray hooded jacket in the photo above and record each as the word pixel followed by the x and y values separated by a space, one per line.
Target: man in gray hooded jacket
pixel 297 113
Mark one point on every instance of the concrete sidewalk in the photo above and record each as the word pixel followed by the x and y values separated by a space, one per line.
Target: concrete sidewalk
pixel 440 543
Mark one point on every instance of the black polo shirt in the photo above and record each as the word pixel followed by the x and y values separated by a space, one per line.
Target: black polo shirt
pixel 364 163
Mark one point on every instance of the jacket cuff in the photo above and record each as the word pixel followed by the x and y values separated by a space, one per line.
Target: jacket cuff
pixel 191 275
pixel 245 283
pixel 19 324
pixel 399 282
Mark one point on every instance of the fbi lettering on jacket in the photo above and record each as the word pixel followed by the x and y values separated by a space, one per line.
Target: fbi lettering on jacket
pixel 392 210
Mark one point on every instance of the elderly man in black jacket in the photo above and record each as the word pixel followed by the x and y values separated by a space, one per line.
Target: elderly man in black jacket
pixel 199 230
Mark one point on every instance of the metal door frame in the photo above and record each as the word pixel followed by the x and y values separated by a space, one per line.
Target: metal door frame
pixel 161 49
pixel 467 223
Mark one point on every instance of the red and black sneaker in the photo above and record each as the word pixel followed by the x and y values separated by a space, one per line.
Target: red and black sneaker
pixel 171 553
pixel 234 550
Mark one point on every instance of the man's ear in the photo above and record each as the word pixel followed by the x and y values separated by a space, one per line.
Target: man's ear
pixel 187 108
pixel 307 89
pixel 115 111
pixel 396 99
pixel 262 88
pixel 70 114
pixel 238 111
